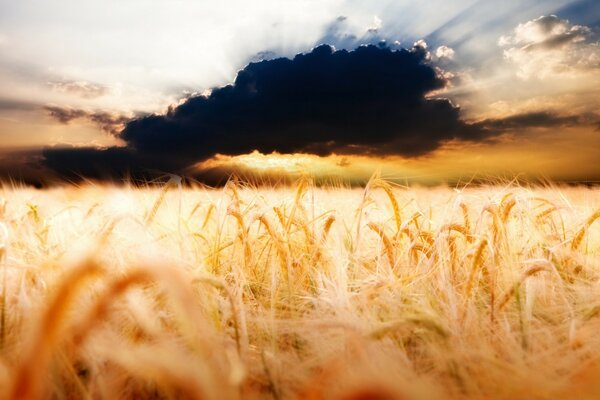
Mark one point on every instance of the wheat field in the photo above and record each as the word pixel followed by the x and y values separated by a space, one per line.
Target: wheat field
pixel 302 292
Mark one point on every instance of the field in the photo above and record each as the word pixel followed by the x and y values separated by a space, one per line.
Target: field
pixel 382 292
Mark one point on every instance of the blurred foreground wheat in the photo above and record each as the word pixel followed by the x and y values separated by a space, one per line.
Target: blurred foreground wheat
pixel 309 293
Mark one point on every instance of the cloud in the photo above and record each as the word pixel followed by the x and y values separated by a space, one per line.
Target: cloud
pixel 24 165
pixel 537 119
pixel 263 55
pixel 351 32
pixel 11 104
pixel 444 52
pixel 549 46
pixel 376 25
pixel 369 101
pixel 73 163
pixel 83 89
pixel 108 122
pixel 65 115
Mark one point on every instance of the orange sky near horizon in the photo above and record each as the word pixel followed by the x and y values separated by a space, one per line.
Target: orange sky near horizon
pixel 532 158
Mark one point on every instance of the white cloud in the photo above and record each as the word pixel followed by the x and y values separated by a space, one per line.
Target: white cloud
pixel 420 43
pixel 549 46
pixel 83 89
pixel 176 46
pixel 444 52
pixel 376 25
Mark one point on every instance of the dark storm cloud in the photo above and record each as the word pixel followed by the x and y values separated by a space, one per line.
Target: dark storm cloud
pixel 108 122
pixel 111 163
pixel 540 119
pixel 372 101
pixel 24 165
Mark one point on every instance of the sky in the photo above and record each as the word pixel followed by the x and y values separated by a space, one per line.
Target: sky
pixel 431 91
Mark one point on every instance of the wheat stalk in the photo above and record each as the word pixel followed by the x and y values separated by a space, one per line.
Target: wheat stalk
pixel 477 263
pixel 539 217
pixel 576 241
pixel 460 229
pixel 389 249
pixel 390 193
pixel 531 271
pixel 209 212
pixel 28 381
pixel 506 209
pixel 243 234
pixel 157 203
pixel 465 212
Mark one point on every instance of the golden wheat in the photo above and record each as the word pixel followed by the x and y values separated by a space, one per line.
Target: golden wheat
pixel 299 292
